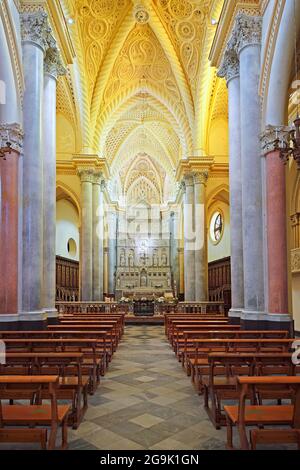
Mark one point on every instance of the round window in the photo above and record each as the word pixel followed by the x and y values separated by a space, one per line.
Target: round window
pixel 216 227
pixel 71 247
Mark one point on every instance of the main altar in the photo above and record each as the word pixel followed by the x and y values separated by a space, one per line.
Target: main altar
pixel 143 269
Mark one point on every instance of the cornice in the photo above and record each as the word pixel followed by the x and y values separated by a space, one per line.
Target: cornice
pixel 91 161
pixel 193 164
pixel 226 23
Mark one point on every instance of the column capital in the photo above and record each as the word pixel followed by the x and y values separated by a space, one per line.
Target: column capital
pixel 271 138
pixel 99 179
pixel 14 134
pixel 188 179
pixel 230 66
pixel 86 175
pixel 247 31
pixel 35 28
pixel 201 177
pixel 53 64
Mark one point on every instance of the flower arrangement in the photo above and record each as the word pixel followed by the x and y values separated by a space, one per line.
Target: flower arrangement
pixel 124 300
pixel 161 300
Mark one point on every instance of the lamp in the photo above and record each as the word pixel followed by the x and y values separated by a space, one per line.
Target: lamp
pixel 289 146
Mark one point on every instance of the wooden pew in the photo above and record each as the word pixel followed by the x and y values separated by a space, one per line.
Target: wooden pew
pixel 177 331
pixel 185 347
pixel 120 322
pixel 73 385
pixel 103 337
pixel 198 359
pixel 92 324
pixel 94 359
pixel 169 317
pixel 220 382
pixel 18 423
pixel 87 327
pixel 176 323
pixel 243 415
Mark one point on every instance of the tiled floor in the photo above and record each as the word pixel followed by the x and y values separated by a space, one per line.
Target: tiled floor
pixel 145 401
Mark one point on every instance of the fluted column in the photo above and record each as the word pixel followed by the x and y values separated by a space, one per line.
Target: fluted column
pixel 189 239
pixel 98 215
pixel 112 248
pixel 230 69
pixel 53 68
pixel 276 223
pixel 201 266
pixel 9 218
pixel 35 32
pixel 87 179
pixel 247 34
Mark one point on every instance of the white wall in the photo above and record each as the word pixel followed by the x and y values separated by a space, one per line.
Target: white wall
pixel 221 249
pixel 67 226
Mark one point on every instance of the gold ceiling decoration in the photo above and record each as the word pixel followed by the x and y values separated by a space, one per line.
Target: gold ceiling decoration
pixel 144 77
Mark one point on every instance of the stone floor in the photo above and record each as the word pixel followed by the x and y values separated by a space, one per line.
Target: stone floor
pixel 145 401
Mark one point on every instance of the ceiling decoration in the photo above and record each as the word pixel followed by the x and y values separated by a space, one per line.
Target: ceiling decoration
pixel 145 83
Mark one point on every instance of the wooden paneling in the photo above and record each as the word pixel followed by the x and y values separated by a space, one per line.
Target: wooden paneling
pixel 219 282
pixel 67 279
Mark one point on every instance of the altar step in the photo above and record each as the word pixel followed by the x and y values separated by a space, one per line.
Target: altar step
pixel 146 320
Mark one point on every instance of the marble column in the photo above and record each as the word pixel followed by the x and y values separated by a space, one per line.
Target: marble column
pixel 189 239
pixel 174 240
pixel 247 33
pixel 98 216
pixel 87 179
pixel 112 249
pixel 201 264
pixel 9 218
pixel 230 69
pixel 276 223
pixel 34 31
pixel 52 69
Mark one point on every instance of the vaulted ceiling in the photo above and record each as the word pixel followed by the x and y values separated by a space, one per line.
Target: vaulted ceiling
pixel 143 80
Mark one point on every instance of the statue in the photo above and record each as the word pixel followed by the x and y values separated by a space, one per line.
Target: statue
pixel 130 259
pixel 122 259
pixel 155 258
pixel 164 259
pixel 143 279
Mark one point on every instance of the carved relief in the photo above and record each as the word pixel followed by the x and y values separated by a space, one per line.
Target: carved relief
pixel 295 260
pixel 141 58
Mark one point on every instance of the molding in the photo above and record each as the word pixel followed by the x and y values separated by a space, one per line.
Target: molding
pixel 91 161
pixel 60 29
pixel 270 41
pixel 193 164
pixel 264 316
pixel 15 133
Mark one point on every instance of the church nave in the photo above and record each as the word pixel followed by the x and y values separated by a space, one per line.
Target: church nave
pixel 145 401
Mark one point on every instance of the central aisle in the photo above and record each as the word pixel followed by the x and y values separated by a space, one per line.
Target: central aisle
pixel 145 401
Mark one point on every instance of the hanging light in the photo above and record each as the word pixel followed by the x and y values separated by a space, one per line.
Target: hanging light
pixel 289 146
